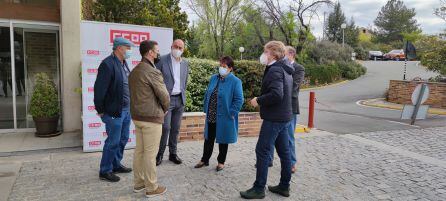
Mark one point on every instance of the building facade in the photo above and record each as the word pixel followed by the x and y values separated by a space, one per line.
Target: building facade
pixel 39 36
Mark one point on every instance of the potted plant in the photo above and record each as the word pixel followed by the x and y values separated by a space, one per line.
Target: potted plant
pixel 44 106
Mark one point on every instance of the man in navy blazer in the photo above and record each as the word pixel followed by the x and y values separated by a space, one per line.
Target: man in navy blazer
pixel 175 72
pixel 112 102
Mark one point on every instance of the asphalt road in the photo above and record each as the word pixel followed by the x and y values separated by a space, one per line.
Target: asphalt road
pixel 337 110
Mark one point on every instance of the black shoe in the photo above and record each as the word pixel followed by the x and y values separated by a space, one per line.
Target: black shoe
pixel 159 160
pixel 252 194
pixel 285 192
pixel 122 169
pixel 175 159
pixel 109 177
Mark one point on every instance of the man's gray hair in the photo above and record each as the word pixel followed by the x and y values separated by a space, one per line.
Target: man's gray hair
pixel 291 50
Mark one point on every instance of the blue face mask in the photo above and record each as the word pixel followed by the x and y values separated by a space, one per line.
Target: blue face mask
pixel 128 54
pixel 223 71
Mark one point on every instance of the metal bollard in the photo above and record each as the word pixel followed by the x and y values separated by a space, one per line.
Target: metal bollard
pixel 311 110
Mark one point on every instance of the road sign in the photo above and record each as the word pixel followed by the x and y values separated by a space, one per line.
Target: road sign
pixel 409 109
pixel 416 94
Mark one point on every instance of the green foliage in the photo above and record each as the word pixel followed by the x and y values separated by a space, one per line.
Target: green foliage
pixel 322 74
pixel 44 101
pixel 162 13
pixel 351 70
pixel 432 53
pixel 326 52
pixel 201 71
pixel 333 28
pixel 412 36
pixel 249 72
pixel 393 20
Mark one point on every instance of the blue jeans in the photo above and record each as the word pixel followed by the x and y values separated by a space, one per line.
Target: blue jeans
pixel 273 134
pixel 292 141
pixel 118 130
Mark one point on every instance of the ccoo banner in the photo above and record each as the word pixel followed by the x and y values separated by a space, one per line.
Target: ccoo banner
pixel 96 44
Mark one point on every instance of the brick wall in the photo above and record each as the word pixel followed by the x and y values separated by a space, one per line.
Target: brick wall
pixel 401 92
pixel 192 126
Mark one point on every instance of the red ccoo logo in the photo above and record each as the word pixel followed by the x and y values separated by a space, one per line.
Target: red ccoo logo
pixel 94 125
pixel 92 71
pixel 91 108
pixel 134 36
pixel 90 89
pixel 134 63
pixel 93 52
pixel 94 143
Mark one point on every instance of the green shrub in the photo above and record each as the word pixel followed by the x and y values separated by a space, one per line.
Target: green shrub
pixel 44 101
pixel 249 72
pixel 322 74
pixel 351 70
pixel 201 71
pixel 326 52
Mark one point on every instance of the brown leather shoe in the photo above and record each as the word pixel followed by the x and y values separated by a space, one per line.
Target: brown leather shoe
pixel 159 191
pixel 201 164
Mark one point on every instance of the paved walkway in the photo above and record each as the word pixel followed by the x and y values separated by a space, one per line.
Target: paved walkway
pixel 391 165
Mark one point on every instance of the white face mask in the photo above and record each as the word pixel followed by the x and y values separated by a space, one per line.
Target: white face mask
pixel 264 59
pixel 223 71
pixel 177 53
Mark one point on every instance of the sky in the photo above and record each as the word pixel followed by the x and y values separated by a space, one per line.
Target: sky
pixel 365 12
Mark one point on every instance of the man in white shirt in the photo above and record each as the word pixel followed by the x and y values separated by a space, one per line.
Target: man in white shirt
pixel 175 72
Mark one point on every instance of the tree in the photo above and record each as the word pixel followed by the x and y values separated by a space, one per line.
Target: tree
pixel 352 33
pixel 167 13
pixel 283 19
pixel 305 11
pixel 219 17
pixel 441 11
pixel 163 13
pixel 394 19
pixel 333 29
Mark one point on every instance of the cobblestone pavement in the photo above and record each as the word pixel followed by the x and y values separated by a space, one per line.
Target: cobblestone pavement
pixel 392 165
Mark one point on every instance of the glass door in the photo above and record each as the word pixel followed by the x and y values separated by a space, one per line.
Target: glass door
pixel 36 50
pixel 25 49
pixel 6 81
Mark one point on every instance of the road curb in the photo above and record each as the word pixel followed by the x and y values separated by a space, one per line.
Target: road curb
pixel 370 103
pixel 322 87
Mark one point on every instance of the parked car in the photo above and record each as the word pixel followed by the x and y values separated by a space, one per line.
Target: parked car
pixel 375 55
pixel 395 55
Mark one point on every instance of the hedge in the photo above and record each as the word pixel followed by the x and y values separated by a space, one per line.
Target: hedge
pixel 251 74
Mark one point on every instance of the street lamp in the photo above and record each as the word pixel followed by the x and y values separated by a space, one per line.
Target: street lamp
pixel 241 50
pixel 343 26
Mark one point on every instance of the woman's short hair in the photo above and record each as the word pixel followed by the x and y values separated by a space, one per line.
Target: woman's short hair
pixel 228 61
pixel 146 46
pixel 276 48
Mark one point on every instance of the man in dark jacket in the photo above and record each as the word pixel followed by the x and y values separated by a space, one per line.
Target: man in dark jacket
pixel 276 112
pixel 112 102
pixel 298 77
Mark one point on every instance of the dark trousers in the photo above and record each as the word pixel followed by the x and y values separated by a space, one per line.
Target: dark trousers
pixel 273 134
pixel 209 146
pixel 118 130
pixel 171 126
